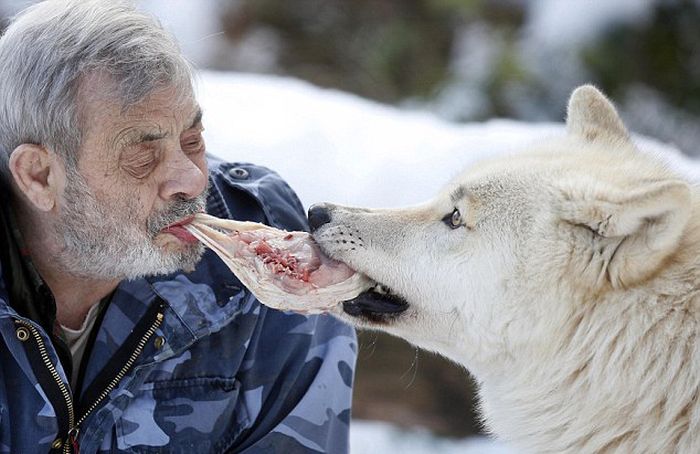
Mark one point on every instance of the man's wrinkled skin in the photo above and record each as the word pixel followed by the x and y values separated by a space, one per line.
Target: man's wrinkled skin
pixel 138 171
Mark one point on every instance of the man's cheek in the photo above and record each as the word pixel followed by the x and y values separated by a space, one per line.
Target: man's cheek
pixel 205 169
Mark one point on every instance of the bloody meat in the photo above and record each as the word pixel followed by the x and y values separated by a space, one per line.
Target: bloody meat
pixel 284 270
pixel 281 262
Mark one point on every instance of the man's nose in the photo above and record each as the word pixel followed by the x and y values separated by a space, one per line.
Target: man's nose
pixel 184 178
pixel 318 215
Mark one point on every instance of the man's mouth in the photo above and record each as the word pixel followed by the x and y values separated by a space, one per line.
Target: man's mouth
pixel 378 304
pixel 178 230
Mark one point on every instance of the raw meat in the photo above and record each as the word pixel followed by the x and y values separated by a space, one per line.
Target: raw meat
pixel 284 270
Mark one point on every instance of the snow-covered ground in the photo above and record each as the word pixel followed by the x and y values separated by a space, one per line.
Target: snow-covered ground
pixel 371 437
pixel 331 146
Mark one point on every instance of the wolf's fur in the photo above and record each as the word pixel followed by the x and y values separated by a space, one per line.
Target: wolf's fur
pixel 571 291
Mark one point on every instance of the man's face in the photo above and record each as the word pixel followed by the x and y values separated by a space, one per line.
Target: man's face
pixel 140 170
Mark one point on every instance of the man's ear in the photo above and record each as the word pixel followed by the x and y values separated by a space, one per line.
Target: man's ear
pixel 634 231
pixel 34 170
pixel 592 117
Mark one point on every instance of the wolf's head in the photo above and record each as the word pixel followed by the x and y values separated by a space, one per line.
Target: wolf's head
pixel 512 247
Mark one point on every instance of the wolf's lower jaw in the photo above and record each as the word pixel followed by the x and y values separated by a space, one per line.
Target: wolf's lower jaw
pixel 378 305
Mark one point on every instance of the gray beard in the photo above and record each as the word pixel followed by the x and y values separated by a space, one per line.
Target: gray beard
pixel 107 242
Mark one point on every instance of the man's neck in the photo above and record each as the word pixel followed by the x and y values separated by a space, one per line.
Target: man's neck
pixel 74 295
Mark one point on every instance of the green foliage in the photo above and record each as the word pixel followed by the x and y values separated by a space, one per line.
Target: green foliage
pixel 466 8
pixel 663 53
pixel 383 49
pixel 508 71
pixel 393 50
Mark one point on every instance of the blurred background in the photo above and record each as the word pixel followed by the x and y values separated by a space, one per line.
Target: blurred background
pixel 466 61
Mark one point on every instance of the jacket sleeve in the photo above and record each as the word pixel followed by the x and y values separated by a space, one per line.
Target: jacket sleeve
pixel 301 375
pixel 298 372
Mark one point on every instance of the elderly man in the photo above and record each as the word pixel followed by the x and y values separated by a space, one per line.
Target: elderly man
pixel 118 332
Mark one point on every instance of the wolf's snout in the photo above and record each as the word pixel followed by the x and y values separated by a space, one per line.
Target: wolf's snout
pixel 318 216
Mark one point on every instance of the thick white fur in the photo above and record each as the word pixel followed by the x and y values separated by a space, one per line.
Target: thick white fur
pixel 571 292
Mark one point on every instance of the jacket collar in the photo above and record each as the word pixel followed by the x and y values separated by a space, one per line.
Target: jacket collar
pixel 29 295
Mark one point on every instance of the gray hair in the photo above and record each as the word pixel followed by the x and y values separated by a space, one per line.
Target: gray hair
pixel 48 48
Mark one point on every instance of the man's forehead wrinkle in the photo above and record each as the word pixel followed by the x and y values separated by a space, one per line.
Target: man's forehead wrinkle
pixel 99 88
pixel 156 117
pixel 95 90
pixel 165 118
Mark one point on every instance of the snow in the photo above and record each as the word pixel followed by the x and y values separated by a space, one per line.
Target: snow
pixel 337 147
pixel 332 146
pixel 376 437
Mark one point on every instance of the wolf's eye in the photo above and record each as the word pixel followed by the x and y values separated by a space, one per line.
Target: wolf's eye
pixel 453 220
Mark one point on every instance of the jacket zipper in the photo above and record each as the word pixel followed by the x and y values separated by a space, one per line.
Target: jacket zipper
pixel 117 378
pixel 54 373
pixel 74 426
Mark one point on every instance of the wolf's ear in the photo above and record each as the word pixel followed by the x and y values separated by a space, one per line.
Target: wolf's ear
pixel 591 116
pixel 634 231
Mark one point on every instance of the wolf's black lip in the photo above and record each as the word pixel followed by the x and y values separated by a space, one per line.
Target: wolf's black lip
pixel 375 306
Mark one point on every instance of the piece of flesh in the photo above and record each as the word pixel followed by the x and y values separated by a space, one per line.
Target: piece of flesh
pixel 284 270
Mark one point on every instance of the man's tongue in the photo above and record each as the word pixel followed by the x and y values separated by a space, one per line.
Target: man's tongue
pixel 179 231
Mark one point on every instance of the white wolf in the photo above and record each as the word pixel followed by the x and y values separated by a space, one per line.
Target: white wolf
pixel 565 278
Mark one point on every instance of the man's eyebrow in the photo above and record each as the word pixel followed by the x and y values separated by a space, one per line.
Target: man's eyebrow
pixel 134 136
pixel 196 119
pixel 151 136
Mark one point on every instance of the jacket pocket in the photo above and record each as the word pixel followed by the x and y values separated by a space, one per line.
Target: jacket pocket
pixel 194 415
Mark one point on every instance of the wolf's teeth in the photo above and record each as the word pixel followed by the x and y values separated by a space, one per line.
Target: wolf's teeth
pixel 382 289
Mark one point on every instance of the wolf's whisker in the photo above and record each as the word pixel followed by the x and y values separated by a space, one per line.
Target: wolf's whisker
pixel 414 367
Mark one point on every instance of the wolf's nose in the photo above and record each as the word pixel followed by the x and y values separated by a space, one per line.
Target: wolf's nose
pixel 318 215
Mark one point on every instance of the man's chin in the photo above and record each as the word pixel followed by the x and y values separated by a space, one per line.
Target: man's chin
pixel 189 262
pixel 173 256
pixel 185 256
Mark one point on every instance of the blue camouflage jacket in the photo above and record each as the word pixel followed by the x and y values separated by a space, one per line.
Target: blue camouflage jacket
pixel 186 363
